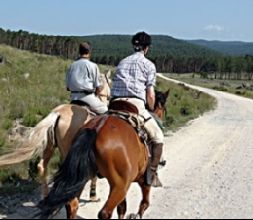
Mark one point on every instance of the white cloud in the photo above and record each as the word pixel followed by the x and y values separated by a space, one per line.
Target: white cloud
pixel 214 27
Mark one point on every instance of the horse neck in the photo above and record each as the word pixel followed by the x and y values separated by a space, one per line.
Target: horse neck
pixel 106 91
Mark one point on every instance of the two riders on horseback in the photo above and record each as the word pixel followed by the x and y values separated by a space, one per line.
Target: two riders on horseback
pixel 110 146
pixel 133 82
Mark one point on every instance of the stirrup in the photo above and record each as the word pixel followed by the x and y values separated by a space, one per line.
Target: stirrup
pixel 151 178
pixel 156 182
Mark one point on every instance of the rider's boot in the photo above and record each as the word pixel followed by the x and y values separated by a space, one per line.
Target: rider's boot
pixel 151 178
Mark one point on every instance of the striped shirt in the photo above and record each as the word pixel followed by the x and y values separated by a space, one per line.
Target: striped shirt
pixel 134 75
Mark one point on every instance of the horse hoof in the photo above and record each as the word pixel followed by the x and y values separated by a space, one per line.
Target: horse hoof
pixel 94 199
pixel 133 216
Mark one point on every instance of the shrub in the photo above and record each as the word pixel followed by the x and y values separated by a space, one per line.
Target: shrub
pixel 7 124
pixel 30 119
pixel 2 142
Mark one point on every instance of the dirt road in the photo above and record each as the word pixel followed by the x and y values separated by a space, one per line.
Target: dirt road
pixel 209 172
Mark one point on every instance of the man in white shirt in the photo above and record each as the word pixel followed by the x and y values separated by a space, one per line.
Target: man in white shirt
pixel 83 80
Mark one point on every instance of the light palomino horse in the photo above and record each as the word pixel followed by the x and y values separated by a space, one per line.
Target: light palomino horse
pixel 58 129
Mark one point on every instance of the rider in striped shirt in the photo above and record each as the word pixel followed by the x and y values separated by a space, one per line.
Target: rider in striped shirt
pixel 134 82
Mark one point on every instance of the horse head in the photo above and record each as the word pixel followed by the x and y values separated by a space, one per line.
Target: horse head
pixel 160 104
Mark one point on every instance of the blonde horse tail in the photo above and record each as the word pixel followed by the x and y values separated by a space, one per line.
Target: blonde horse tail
pixel 40 137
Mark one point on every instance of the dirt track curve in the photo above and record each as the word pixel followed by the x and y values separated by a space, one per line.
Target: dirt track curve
pixel 209 172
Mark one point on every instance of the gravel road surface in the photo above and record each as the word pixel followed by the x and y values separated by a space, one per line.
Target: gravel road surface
pixel 209 172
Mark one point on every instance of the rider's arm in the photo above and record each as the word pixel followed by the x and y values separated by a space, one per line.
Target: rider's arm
pixel 151 98
pixel 150 88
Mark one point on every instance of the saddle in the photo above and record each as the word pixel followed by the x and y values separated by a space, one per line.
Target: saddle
pixel 123 106
pixel 129 113
pixel 84 105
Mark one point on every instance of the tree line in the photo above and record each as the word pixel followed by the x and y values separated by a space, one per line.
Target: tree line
pixel 168 54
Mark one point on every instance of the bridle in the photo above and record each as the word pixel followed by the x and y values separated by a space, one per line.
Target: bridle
pixel 160 108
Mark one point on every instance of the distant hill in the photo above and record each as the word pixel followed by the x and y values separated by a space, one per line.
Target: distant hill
pixel 104 45
pixel 168 54
pixel 234 48
pixel 162 45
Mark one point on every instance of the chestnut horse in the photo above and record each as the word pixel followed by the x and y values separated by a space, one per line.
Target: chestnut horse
pixel 58 129
pixel 111 147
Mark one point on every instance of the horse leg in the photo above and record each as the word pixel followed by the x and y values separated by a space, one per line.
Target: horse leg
pixel 93 186
pixel 145 200
pixel 122 208
pixel 72 207
pixel 42 169
pixel 117 195
pixel 144 203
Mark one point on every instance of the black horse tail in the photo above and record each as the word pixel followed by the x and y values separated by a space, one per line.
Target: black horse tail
pixel 77 169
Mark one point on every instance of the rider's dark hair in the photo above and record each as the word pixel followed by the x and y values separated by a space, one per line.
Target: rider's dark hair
pixel 85 48
pixel 141 41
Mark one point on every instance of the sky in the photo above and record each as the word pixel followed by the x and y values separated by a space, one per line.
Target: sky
pixel 226 20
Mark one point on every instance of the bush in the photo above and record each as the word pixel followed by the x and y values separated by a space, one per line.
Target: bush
pixel 1 59
pixel 220 88
pixel 30 119
pixel 204 75
pixel 7 124
pixel 185 111
pixel 2 142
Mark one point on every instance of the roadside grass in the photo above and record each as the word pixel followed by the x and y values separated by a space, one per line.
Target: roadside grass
pixel 242 88
pixel 31 85
pixel 184 104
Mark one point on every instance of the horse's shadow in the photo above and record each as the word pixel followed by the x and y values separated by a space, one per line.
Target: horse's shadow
pixel 23 205
pixel 19 202
pixel 83 202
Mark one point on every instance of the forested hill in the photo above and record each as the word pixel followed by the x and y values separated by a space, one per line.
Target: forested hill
pixel 234 48
pixel 162 46
pixel 168 54
pixel 104 45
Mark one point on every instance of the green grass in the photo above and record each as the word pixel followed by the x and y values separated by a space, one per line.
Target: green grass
pixel 29 98
pixel 32 98
pixel 231 86
pixel 184 104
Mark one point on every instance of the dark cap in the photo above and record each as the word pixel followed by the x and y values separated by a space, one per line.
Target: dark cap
pixel 85 48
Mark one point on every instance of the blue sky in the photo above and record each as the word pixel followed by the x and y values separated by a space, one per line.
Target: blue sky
pixel 184 19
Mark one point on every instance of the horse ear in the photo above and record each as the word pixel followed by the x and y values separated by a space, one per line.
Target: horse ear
pixel 167 93
pixel 108 74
